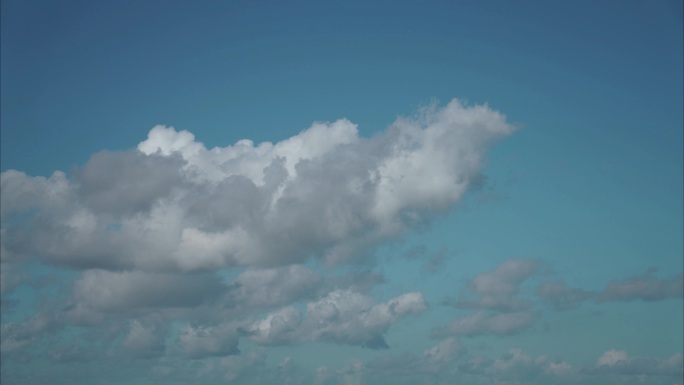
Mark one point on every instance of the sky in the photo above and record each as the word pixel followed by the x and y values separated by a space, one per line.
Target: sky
pixel 316 192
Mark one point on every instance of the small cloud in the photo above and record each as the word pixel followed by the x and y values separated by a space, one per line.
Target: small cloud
pixel 645 287
pixel 498 289
pixel 612 357
pixel 483 323
pixel 342 317
pixel 561 297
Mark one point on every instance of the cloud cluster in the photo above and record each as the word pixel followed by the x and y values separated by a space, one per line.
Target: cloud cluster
pixel 516 367
pixel 174 205
pixel 342 316
pixel 644 287
pixel 171 256
pixel 495 294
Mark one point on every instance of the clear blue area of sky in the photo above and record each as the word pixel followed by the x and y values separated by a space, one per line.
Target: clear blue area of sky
pixel 592 182
pixel 596 88
pixel 80 75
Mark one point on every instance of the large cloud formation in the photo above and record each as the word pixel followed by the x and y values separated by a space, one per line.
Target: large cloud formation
pixel 174 205
pixel 175 251
pixel 182 263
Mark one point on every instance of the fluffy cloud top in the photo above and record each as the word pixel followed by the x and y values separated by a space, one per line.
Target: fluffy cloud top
pixel 173 204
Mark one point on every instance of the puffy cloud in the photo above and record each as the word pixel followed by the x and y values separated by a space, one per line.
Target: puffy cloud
pixel 498 289
pixel 446 350
pixel 611 357
pixel 153 231
pixel 206 341
pixel 342 316
pixel 126 182
pixel 482 323
pixel 174 204
pixel 619 363
pixel 279 327
pixel 275 286
pixel 144 340
pixel 645 287
pixel 351 318
pixel 501 312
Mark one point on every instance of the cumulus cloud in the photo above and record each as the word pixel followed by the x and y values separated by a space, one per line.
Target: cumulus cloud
pixel 342 317
pixel 207 341
pixel 275 286
pixel 611 357
pixel 173 204
pixel 495 295
pixel 618 362
pixel 144 340
pixel 446 350
pixel 645 287
pixel 154 232
pixel 515 367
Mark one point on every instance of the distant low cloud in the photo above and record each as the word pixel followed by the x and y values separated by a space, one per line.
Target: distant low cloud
pixel 560 296
pixel 498 289
pixel 618 362
pixel 495 295
pixel 612 357
pixel 645 287
pixel 483 323
pixel 342 317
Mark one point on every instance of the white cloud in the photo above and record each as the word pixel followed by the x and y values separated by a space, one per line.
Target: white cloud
pixel 276 286
pixel 205 341
pixel 445 351
pixel 645 287
pixel 279 327
pixel 495 293
pixel 498 289
pixel 611 357
pixel 342 317
pixel 174 204
pixel 620 364
pixel 144 340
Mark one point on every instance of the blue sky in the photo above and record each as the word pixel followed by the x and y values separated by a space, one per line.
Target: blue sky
pixel 342 192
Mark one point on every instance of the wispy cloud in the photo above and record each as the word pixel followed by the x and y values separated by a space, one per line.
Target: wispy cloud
pixel 645 287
